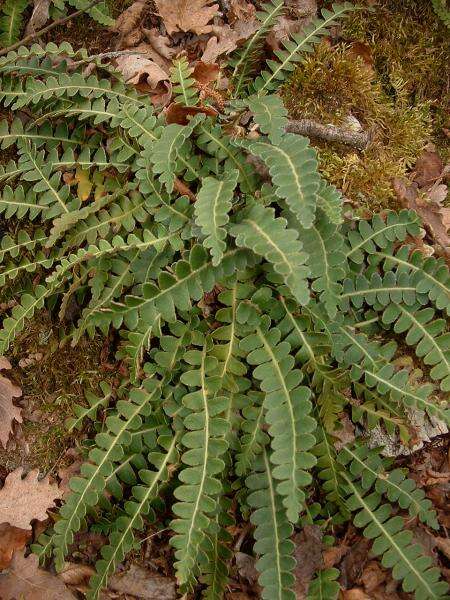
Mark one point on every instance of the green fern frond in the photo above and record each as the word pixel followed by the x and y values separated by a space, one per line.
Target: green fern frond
pixel 184 88
pixel 272 532
pixel 324 586
pixel 270 114
pixel 11 18
pixel 244 61
pixel 90 412
pixel 442 11
pixel 296 45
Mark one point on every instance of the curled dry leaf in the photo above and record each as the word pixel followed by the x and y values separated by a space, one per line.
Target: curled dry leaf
pixel 160 43
pixel 11 539
pixel 187 15
pixel 308 554
pixel 24 579
pixel 299 13
pixel 142 583
pixel 205 73
pixel 8 412
pixel 39 16
pixel 241 10
pixel 128 24
pixel 227 39
pixel 179 113
pixel 30 360
pixel 77 576
pixel 22 500
pixel 146 75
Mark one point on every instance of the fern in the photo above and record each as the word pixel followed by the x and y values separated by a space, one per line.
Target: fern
pixel 440 8
pixel 11 21
pixel 248 317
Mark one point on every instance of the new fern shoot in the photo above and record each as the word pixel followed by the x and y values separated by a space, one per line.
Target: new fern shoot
pixel 250 315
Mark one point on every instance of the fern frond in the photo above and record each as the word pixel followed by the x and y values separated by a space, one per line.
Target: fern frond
pixel 268 236
pixel 287 412
pixel 212 206
pixel 270 114
pixel 426 335
pixel 272 532
pixel 206 445
pixel 23 241
pixel 393 543
pixel 293 167
pixel 253 438
pixel 324 586
pixel 370 469
pixel 138 507
pixel 94 404
pixel 99 12
pixel 11 18
pixel 87 488
pixel 184 87
pixel 296 45
pixel 244 61
pixel 369 236
pixel 442 11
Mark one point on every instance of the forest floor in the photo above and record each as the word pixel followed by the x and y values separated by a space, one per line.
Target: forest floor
pixel 385 72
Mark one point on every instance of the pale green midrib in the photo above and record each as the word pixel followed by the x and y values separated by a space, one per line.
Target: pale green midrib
pixel 22 245
pixel 368 291
pixel 413 268
pixel 252 43
pixel 116 439
pixel 271 243
pixel 233 328
pixel 332 461
pixel 273 510
pixel 321 25
pixel 295 210
pixel 25 267
pixel 372 236
pixel 393 543
pixel 287 396
pixel 427 335
pixel 47 181
pixel 79 420
pixel 205 456
pixel 385 480
pixel 104 91
pixel 130 526
pixel 355 341
pixel 299 331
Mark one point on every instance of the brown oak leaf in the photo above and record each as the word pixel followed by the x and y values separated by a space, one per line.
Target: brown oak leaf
pixel 143 584
pixel 24 579
pixel 146 75
pixel 11 539
pixel 22 500
pixel 227 39
pixel 187 15
pixel 8 412
pixel 308 554
pixel 128 24
pixel 160 43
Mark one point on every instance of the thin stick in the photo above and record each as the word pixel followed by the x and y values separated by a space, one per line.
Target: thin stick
pixel 36 34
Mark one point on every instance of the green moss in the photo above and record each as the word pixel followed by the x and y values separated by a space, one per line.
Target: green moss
pixel 401 98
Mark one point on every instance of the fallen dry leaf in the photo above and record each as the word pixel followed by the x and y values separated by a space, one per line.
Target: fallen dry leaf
pixel 146 75
pixel 427 207
pixel 346 434
pixel 142 583
pixel 355 594
pixel 227 39
pixel 30 360
pixel 160 43
pixel 372 576
pixel 179 113
pixel 11 539
pixel 302 11
pixel 77 576
pixel 354 562
pixel 187 15
pixel 22 500
pixel 128 24
pixel 246 568
pixel 205 73
pixel 241 10
pixel 39 16
pixel 333 556
pixel 8 412
pixel 308 554
pixel 25 580
pixel 443 545
pixel 428 167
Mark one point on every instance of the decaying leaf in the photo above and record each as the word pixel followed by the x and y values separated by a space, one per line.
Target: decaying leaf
pixel 11 539
pixel 145 74
pixel 77 576
pixel 227 39
pixel 205 73
pixel 179 113
pixel 187 15
pixel 22 500
pixel 427 204
pixel 142 583
pixel 8 412
pixel 39 16
pixel 24 579
pixel 246 568
pixel 241 10
pixel 128 24
pixel 308 554
pixel 443 545
pixel 160 43
pixel 299 13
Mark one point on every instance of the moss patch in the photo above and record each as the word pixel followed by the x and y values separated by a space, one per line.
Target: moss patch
pixel 397 89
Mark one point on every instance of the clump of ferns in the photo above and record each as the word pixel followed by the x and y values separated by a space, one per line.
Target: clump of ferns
pixel 250 317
